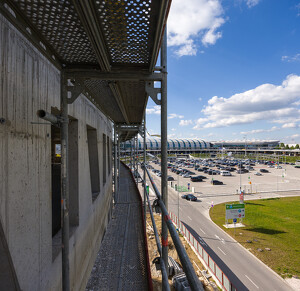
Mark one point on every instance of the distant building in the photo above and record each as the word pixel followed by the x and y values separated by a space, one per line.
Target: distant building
pixel 248 144
pixel 174 144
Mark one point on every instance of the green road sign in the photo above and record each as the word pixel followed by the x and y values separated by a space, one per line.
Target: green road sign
pixel 234 211
pixel 235 206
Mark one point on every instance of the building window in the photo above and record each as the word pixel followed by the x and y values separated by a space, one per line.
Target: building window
pixel 93 161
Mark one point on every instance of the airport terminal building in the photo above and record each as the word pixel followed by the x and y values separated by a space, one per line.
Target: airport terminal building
pixel 196 144
pixel 178 144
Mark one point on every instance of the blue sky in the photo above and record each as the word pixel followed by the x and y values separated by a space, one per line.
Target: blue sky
pixel 233 71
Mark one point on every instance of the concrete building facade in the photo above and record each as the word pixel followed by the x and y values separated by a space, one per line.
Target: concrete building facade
pixel 30 164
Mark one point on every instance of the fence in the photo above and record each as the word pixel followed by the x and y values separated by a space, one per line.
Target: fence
pixel 215 271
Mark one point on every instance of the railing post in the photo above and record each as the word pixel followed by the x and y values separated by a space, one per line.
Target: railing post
pixel 145 189
pixel 164 153
pixel 65 184
pixel 115 162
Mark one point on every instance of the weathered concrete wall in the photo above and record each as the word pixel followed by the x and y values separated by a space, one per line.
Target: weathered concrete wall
pixel 29 82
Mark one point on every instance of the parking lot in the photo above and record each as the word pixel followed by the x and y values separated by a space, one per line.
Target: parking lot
pixel 284 178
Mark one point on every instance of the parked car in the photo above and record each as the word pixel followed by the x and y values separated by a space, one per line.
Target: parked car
pixel 187 175
pixel 216 182
pixel 258 174
pixel 170 178
pixel 189 197
pixel 225 173
pixel 264 171
pixel 196 179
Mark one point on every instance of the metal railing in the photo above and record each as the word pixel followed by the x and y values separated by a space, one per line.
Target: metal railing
pixel 193 279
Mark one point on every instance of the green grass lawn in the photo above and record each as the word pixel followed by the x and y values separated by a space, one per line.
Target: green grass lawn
pixel 270 223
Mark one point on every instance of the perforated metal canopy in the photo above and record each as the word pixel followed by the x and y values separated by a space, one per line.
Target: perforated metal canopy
pixel 96 40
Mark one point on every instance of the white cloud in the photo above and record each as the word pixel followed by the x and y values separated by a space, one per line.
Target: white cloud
pixel 193 20
pixel 174 115
pixel 265 102
pixel 185 122
pixel 254 131
pixel 199 123
pixel 173 129
pixel 290 125
pixel 252 3
pixel 154 110
pixel 291 59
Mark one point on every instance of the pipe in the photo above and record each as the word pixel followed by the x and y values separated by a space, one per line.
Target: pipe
pixel 47 116
pixel 64 185
pixel 145 189
pixel 164 153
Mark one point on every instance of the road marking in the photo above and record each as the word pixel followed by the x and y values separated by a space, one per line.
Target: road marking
pixel 217 237
pixel 223 241
pixel 252 282
pixel 202 230
pixel 221 251
pixel 189 218
pixel 202 242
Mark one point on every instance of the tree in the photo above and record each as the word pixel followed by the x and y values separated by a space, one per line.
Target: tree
pixel 287 147
pixel 297 146
pixel 282 145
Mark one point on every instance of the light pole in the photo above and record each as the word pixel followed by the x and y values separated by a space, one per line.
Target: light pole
pixel 240 176
pixel 245 137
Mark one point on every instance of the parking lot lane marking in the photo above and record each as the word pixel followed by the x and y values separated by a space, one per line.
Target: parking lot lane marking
pixel 202 230
pixel 180 208
pixel 221 251
pixel 189 218
pixel 252 282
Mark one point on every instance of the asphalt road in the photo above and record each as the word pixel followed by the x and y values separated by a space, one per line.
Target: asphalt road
pixel 242 268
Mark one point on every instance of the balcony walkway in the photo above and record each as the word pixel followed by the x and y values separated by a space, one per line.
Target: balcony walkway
pixel 122 263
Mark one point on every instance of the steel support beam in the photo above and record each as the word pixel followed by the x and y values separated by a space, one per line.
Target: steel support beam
pixel 115 163
pixel 118 96
pixel 113 76
pixel 65 184
pixel 164 148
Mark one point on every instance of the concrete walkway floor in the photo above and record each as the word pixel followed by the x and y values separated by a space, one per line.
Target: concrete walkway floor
pixel 122 261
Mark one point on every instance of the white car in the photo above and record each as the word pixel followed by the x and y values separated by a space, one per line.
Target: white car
pixel 225 173
pixel 258 174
